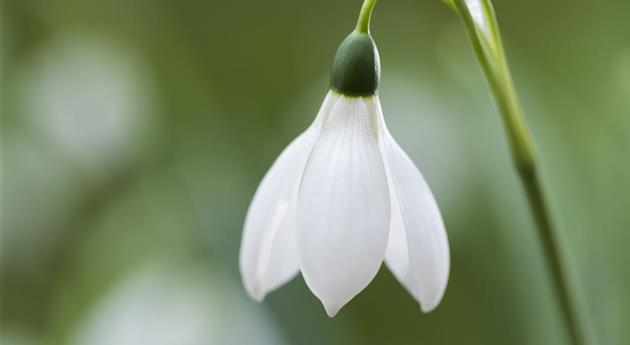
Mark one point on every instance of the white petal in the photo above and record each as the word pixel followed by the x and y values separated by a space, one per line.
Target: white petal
pixel 417 251
pixel 397 252
pixel 343 206
pixel 268 256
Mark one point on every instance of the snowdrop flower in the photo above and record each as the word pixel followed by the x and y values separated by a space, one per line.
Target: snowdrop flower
pixel 342 197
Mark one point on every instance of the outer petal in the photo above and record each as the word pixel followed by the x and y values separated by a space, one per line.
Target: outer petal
pixel 343 206
pixel 268 256
pixel 417 251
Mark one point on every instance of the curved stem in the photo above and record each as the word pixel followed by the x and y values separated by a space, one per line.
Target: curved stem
pixel 363 24
pixel 480 22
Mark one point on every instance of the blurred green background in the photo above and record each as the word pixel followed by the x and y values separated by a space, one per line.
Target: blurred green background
pixel 134 134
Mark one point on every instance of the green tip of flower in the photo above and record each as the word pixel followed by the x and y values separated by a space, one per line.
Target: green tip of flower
pixel 356 67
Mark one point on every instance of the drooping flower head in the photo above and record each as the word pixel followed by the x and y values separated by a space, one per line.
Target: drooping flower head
pixel 343 197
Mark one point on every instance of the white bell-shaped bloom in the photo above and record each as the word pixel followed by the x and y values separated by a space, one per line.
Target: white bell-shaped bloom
pixel 340 199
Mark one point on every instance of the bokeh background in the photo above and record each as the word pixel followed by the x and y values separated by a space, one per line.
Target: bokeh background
pixel 134 134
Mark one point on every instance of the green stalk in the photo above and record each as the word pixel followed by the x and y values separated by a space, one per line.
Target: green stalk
pixel 363 24
pixel 484 34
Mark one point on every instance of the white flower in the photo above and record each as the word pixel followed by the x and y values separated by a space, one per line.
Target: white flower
pixel 342 197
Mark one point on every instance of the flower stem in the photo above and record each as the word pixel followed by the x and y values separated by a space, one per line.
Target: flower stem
pixel 363 24
pixel 480 22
